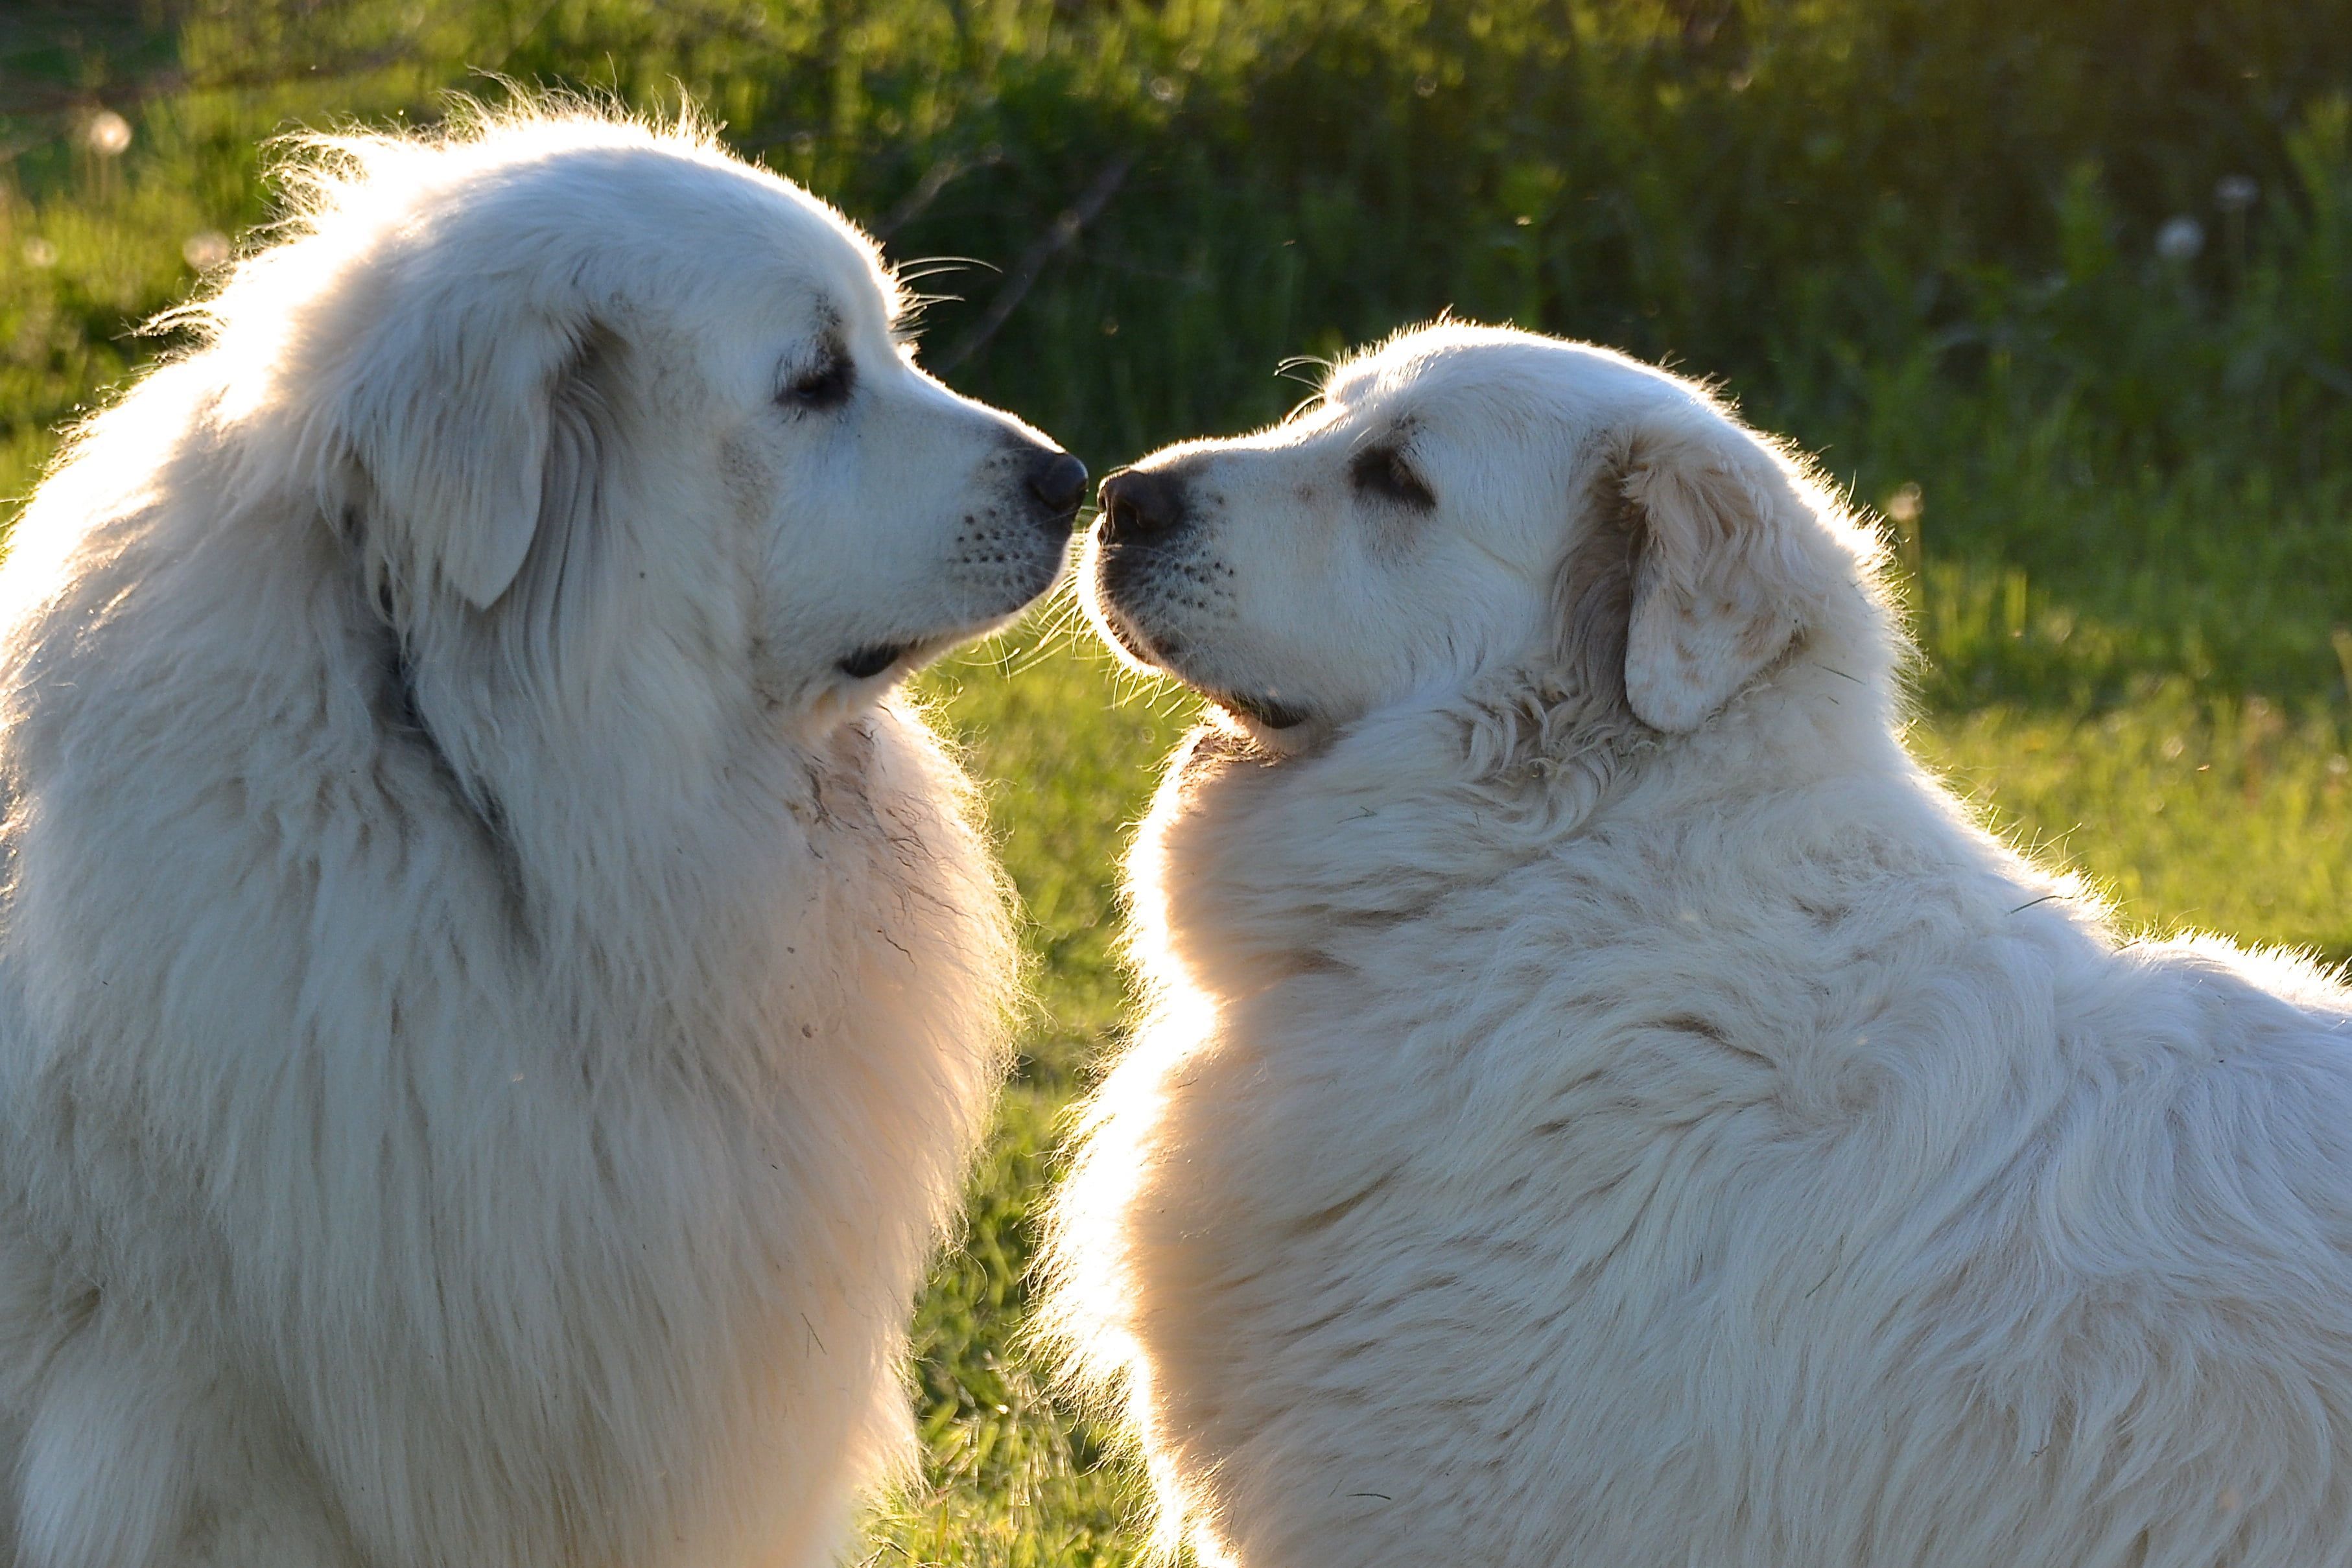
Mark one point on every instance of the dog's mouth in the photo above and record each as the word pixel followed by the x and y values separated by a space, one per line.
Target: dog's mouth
pixel 1157 652
pixel 873 659
pixel 880 658
pixel 1161 651
pixel 1153 651
pixel 911 654
pixel 1265 712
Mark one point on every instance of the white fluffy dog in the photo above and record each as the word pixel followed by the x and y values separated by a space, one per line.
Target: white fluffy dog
pixel 494 998
pixel 1604 1105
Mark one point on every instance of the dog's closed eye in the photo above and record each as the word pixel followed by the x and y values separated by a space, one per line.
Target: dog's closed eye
pixel 1383 473
pixel 825 385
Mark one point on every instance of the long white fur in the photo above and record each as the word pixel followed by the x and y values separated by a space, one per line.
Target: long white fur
pixel 1614 1109
pixel 500 1122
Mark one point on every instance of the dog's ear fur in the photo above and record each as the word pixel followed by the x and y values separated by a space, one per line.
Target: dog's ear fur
pixel 1716 527
pixel 457 428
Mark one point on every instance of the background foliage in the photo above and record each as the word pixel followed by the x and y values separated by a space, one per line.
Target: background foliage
pixel 2064 286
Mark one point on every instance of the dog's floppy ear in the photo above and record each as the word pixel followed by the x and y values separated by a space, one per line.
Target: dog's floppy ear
pixel 455 422
pixel 1720 567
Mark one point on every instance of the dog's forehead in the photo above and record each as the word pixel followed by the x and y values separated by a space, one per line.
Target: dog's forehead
pixel 1459 388
pixel 793 250
pixel 824 300
pixel 1490 376
pixel 749 240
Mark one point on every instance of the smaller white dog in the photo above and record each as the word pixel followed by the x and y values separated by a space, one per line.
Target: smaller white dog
pixel 1602 1105
pixel 494 997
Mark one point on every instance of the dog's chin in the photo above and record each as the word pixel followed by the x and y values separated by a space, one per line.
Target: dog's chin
pixel 1155 653
pixel 865 676
pixel 895 658
pixel 1275 727
pixel 878 659
pixel 1264 713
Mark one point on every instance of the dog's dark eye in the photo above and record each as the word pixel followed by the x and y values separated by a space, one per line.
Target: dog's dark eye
pixel 1383 471
pixel 828 386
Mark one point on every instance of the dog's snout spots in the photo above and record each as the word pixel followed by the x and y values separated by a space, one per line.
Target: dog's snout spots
pixel 1059 483
pixel 1138 505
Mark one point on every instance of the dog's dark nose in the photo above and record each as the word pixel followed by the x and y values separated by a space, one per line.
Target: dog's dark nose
pixel 1137 504
pixel 1059 482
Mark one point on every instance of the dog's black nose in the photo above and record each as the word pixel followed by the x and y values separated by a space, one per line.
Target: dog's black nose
pixel 1137 504
pixel 1059 482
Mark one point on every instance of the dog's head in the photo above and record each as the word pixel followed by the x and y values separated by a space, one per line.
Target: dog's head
pixel 594 385
pixel 1464 501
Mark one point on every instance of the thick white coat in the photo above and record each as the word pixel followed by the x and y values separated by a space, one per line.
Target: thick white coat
pixel 1562 1138
pixel 491 1016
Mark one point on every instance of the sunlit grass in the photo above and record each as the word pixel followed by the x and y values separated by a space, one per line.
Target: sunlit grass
pixel 1067 747
pixel 2216 813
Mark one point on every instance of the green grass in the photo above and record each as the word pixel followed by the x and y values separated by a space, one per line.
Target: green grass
pixel 2192 812
pixel 1069 748
pixel 2122 482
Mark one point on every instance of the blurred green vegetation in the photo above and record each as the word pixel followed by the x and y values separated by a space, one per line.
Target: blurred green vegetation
pixel 1921 237
pixel 2063 289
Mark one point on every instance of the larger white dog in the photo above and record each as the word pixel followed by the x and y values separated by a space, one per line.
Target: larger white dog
pixel 494 998
pixel 1604 1105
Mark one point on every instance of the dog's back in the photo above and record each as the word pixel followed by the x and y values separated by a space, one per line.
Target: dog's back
pixel 1817 1206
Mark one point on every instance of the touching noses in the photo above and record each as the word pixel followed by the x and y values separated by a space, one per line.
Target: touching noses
pixel 1139 505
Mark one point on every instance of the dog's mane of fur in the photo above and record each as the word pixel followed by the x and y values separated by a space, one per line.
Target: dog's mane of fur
pixel 1551 1141
pixel 476 1086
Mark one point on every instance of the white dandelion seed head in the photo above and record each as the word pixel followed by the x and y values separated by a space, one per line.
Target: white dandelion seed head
pixel 108 134
pixel 2180 238
pixel 206 250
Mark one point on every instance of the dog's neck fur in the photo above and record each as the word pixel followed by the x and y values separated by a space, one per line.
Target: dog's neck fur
pixel 679 793
pixel 1367 830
